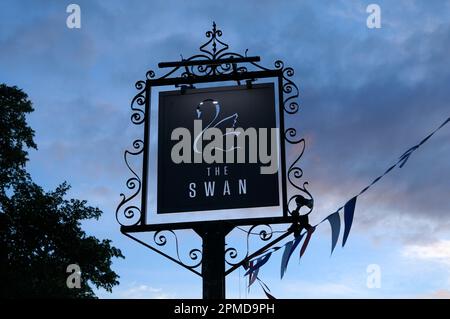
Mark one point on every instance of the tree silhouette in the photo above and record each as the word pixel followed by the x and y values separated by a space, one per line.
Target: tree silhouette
pixel 40 232
pixel 15 135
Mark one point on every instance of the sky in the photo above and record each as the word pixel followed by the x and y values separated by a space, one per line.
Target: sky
pixel 366 96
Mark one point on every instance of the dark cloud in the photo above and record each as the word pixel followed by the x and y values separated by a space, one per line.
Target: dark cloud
pixel 366 95
pixel 357 132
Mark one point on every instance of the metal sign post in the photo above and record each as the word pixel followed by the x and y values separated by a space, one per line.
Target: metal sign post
pixel 216 258
pixel 213 266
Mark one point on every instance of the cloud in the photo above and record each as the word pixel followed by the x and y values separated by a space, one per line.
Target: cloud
pixel 140 291
pixel 322 290
pixel 438 294
pixel 438 251
pixel 365 96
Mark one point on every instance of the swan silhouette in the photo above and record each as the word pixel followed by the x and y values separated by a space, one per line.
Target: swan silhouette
pixel 232 119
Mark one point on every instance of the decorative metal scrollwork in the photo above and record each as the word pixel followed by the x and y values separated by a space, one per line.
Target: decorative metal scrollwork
pixel 195 254
pixel 131 213
pixel 214 59
pixel 263 232
pixel 294 173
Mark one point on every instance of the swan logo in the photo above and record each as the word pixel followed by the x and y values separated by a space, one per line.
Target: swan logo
pixel 226 143
pixel 215 122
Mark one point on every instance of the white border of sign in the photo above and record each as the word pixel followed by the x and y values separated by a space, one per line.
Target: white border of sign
pixel 205 215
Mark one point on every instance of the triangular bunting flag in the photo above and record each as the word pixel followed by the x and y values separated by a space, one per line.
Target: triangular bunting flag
pixel 284 259
pixel 306 242
pixel 335 223
pixel 252 277
pixel 349 210
pixel 258 264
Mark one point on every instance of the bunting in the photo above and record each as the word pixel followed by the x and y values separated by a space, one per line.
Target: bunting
pixel 285 258
pixel 288 250
pixel 266 289
pixel 309 233
pixel 349 210
pixel 253 275
pixel 335 222
pixel 260 261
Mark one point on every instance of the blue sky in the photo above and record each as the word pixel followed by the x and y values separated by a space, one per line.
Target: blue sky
pixel 366 96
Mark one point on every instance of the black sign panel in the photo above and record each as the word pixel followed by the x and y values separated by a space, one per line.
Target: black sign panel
pixel 193 183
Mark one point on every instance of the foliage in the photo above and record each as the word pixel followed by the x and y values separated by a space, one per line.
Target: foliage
pixel 40 232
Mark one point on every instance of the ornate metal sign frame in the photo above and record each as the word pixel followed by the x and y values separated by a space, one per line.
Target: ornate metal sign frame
pixel 214 63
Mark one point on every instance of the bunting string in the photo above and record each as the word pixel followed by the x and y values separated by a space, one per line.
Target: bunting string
pixel 334 220
pixel 349 206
